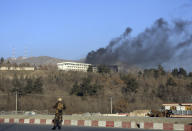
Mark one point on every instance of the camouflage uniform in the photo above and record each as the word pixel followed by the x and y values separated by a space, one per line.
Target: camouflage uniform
pixel 57 121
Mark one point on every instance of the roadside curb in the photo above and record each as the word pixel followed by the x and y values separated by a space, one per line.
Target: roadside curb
pixel 97 123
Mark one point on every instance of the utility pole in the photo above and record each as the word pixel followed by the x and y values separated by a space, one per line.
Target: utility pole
pixel 13 54
pixel 16 102
pixel 111 105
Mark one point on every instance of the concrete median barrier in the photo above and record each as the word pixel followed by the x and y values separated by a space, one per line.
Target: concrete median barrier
pixel 112 122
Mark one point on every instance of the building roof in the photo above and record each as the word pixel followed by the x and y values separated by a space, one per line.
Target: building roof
pixel 176 104
pixel 73 62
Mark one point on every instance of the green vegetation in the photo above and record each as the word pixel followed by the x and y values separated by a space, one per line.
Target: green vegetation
pixel 26 86
pixel 85 88
pixel 179 72
pixel 90 69
pixel 131 84
pixel 2 60
pixel 171 82
pixel 103 69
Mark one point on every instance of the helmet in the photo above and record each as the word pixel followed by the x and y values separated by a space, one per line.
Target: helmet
pixel 59 99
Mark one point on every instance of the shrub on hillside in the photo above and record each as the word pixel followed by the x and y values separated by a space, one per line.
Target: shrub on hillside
pixel 171 82
pixel 131 84
pixel 86 88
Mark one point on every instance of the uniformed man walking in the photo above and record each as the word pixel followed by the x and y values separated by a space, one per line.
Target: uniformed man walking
pixel 57 121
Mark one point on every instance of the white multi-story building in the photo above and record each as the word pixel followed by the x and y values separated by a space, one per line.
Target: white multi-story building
pixel 74 66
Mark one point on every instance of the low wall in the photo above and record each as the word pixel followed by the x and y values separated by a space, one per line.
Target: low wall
pixel 107 121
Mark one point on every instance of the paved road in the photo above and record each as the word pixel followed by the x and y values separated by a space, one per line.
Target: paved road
pixel 22 127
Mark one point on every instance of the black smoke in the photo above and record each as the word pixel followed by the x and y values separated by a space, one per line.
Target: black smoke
pixel 162 43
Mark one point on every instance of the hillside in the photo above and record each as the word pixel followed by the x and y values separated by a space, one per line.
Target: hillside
pixel 40 60
pixel 91 92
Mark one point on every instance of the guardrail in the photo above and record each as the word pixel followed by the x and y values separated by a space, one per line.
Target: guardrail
pixel 12 112
pixel 35 112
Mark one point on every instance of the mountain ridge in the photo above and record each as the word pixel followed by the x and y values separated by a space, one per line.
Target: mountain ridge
pixel 40 60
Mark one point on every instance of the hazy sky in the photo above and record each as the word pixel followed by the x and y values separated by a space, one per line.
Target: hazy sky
pixel 69 29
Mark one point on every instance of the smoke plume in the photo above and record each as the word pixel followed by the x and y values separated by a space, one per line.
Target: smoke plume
pixel 162 43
